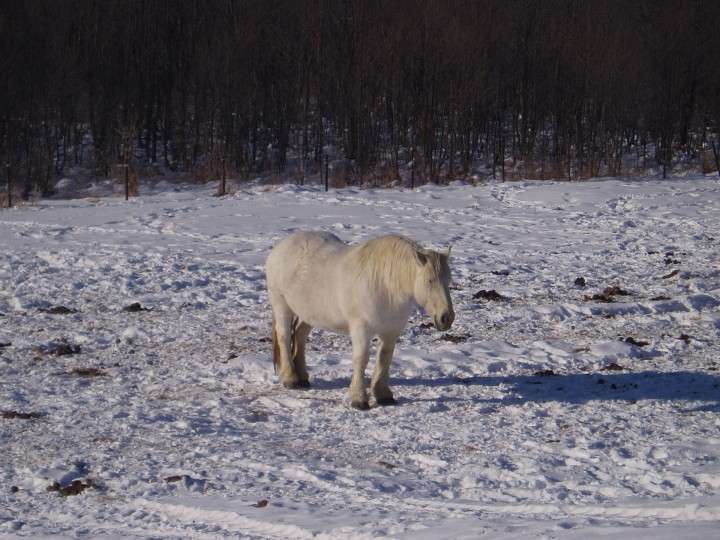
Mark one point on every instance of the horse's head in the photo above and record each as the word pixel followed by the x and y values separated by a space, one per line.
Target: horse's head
pixel 432 286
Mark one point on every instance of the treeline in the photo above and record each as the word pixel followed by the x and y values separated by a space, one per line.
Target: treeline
pixel 559 87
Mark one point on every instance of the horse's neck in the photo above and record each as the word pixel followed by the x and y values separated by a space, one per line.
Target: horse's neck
pixel 390 276
pixel 409 286
pixel 404 284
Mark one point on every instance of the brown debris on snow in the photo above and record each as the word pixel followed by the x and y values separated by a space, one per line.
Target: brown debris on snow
pixel 88 372
pixel 600 297
pixel 76 487
pixel 492 295
pixel 64 349
pixel 615 291
pixel 20 415
pixel 613 367
pixel 636 342
pixel 454 338
pixel 60 347
pixel 135 307
pixel 58 310
pixel 545 373
pixel 607 295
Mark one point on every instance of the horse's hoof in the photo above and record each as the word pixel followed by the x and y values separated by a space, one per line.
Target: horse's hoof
pixel 360 405
pixel 297 385
pixel 386 401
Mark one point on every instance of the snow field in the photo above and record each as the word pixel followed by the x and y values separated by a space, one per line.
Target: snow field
pixel 512 425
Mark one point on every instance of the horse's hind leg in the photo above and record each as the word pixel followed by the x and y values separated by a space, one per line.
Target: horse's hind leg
pixel 299 340
pixel 283 333
pixel 381 375
pixel 361 345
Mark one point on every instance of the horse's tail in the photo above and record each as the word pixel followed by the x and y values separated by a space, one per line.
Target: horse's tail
pixel 276 344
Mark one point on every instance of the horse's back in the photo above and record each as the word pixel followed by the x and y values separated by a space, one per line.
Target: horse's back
pixel 303 271
pixel 301 250
pixel 313 241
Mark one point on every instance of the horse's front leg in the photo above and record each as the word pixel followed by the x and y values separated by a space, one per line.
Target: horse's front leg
pixel 361 346
pixel 381 376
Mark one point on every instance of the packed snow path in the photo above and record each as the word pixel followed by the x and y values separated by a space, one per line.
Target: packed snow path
pixel 546 411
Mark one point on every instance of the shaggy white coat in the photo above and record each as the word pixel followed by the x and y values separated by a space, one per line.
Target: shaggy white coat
pixel 314 279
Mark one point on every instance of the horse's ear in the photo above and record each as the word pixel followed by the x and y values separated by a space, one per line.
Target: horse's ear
pixel 421 258
pixel 449 249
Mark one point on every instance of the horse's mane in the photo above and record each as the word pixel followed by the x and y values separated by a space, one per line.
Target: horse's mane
pixel 389 263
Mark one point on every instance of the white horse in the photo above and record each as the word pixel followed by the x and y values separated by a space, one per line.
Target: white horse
pixel 314 279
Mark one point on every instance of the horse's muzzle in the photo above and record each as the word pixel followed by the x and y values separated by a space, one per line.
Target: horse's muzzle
pixel 445 321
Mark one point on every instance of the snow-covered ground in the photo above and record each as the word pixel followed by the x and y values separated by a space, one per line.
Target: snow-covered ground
pixel 509 426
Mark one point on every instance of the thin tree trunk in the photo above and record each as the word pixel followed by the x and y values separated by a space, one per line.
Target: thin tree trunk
pixel 127 182
pixel 716 153
pixel 9 177
pixel 223 178
pixel 327 172
pixel 412 170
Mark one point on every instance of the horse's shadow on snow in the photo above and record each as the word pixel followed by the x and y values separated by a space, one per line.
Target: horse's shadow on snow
pixel 574 388
pixel 578 388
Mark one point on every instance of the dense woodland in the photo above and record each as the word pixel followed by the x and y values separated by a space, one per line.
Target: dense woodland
pixel 426 88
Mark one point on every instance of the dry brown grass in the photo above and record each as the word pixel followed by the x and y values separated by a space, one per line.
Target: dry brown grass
pixel 385 175
pixel 117 172
pixel 708 162
pixel 203 173
pixel 274 179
